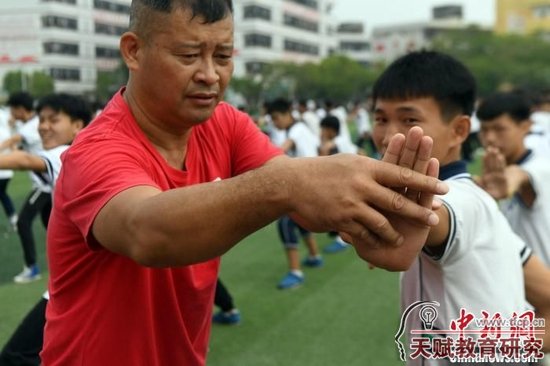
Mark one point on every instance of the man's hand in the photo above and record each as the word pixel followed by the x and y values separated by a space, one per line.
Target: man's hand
pixel 414 152
pixel 357 196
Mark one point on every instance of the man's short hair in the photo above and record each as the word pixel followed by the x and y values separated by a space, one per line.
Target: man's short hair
pixel 331 122
pixel 514 104
pixel 75 107
pixel 210 11
pixel 429 74
pixel 21 99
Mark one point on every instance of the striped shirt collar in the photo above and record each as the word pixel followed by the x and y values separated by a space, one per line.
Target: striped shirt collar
pixel 453 170
pixel 526 156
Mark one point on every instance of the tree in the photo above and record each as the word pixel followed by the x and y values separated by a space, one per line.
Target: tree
pixel 108 82
pixel 38 83
pixel 499 60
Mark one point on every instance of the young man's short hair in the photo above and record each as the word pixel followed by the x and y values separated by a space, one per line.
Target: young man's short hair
pixel 75 107
pixel 21 99
pixel 513 104
pixel 429 74
pixel 279 105
pixel 331 122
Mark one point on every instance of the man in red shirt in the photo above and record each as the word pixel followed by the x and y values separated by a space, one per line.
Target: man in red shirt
pixel 168 178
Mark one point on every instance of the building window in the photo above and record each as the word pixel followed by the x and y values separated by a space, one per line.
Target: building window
pixel 255 67
pixel 354 46
pixel 541 11
pixel 257 40
pixel 309 3
pixel 254 11
pixel 54 21
pixel 72 2
pixel 300 23
pixel 60 48
pixel 110 29
pixel 300 47
pixel 111 6
pixel 64 74
pixel 107 52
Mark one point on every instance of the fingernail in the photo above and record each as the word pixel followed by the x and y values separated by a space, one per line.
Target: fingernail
pixel 442 188
pixel 400 241
pixel 433 219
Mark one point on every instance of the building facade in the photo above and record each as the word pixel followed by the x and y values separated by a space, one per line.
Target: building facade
pixel 281 30
pixel 71 40
pixel 523 17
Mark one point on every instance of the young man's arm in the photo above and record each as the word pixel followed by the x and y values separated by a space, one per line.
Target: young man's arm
pixel 502 181
pixel 11 143
pixel 344 193
pixel 21 160
pixel 537 290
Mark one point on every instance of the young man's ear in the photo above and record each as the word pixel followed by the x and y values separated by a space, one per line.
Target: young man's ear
pixel 525 126
pixel 129 49
pixel 461 128
pixel 77 125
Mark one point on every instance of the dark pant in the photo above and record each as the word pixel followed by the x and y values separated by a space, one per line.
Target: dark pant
pixel 37 202
pixel 25 344
pixel 222 298
pixel 5 199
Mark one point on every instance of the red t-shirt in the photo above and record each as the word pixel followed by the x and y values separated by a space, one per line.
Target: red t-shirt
pixel 105 309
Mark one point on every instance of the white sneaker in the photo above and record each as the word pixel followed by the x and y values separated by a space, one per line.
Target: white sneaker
pixel 13 222
pixel 29 274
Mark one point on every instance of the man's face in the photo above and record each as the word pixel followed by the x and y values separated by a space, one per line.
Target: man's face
pixel 183 69
pixel 506 135
pixel 398 116
pixel 57 128
pixel 281 120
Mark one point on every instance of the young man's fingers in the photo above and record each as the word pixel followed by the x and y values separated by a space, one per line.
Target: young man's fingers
pixel 427 199
pixel 393 151
pixel 421 164
pixel 410 150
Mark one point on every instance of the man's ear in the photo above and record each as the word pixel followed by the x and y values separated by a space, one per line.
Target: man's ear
pixel 77 125
pixel 129 50
pixel 461 128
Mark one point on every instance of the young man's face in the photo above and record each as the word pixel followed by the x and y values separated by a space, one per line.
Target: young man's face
pixel 19 113
pixel 398 116
pixel 506 135
pixel 184 68
pixel 281 120
pixel 57 128
pixel 328 134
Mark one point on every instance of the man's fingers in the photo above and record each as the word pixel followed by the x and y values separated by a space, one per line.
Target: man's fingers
pixel 390 175
pixel 394 202
pixel 378 228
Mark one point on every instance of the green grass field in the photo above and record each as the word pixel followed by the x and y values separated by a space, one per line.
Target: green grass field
pixel 345 314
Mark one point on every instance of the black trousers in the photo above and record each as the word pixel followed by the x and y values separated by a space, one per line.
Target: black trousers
pixel 5 200
pixel 37 202
pixel 25 344
pixel 222 298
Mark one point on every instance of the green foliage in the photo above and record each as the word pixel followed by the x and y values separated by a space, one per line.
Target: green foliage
pixel 499 61
pixel 108 82
pixel 338 78
pixel 38 83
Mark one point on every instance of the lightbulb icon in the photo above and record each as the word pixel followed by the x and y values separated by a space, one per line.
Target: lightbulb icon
pixel 428 314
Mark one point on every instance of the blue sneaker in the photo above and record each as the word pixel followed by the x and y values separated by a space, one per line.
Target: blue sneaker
pixel 290 281
pixel 29 274
pixel 313 261
pixel 335 247
pixel 227 317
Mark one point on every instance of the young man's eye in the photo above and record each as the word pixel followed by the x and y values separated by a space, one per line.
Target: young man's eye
pixel 410 121
pixel 380 120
